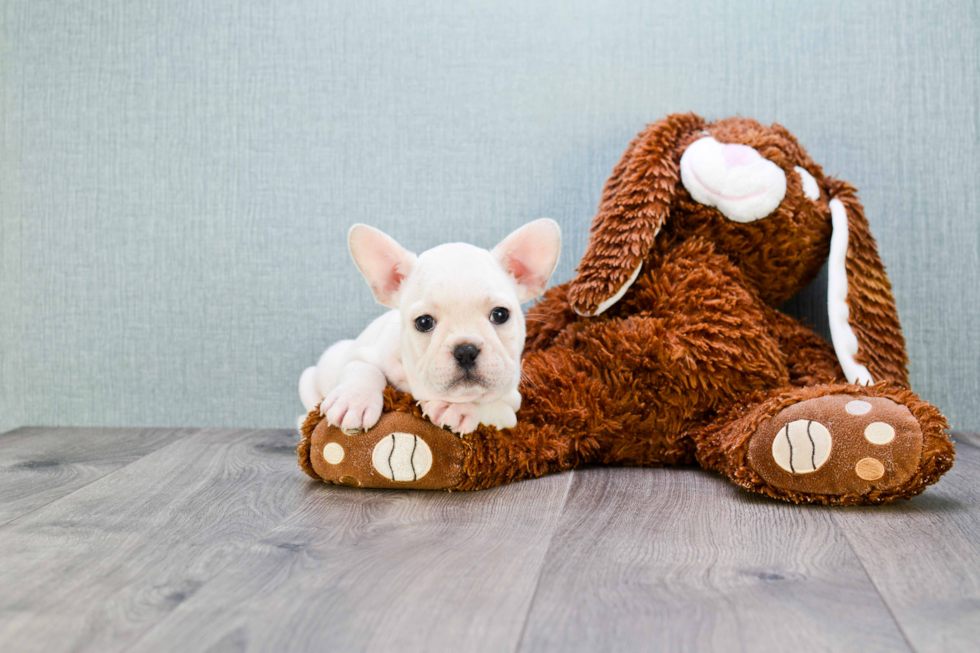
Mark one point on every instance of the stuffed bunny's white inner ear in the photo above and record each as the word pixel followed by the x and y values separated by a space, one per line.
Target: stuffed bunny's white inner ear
pixel 530 255
pixel 841 333
pixel 383 262
pixel 810 188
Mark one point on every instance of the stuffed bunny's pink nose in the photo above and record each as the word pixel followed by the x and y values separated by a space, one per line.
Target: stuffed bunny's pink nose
pixel 738 155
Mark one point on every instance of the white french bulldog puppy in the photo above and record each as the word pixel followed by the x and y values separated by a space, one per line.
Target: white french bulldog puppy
pixel 455 336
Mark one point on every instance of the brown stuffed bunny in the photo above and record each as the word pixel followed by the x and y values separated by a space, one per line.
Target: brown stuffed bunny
pixel 667 347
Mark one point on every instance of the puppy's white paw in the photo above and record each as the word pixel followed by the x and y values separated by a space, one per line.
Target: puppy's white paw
pixel 499 415
pixel 458 418
pixel 352 409
pixel 461 418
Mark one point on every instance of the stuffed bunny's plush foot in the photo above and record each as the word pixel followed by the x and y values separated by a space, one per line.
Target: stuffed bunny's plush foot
pixel 401 451
pixel 838 445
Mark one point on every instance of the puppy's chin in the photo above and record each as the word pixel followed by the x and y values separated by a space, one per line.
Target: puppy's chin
pixel 467 390
pixel 470 389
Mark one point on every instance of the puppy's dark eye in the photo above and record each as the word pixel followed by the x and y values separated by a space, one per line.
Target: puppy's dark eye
pixel 425 323
pixel 499 315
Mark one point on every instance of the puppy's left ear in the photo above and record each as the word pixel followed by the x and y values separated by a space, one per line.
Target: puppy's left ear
pixel 383 262
pixel 530 255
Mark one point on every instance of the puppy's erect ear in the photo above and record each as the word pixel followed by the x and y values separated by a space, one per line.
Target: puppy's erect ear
pixel 635 204
pixel 530 255
pixel 382 261
pixel 864 324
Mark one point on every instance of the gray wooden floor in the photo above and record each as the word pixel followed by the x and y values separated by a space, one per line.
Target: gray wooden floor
pixel 207 540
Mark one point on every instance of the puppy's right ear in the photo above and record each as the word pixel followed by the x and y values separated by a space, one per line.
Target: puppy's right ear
pixel 382 261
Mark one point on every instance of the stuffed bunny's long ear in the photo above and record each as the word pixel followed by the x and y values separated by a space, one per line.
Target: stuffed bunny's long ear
pixel 635 204
pixel 864 326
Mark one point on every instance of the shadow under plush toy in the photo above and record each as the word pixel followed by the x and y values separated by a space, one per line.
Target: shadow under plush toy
pixel 667 347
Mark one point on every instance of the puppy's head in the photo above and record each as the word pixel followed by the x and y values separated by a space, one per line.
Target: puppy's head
pixel 462 327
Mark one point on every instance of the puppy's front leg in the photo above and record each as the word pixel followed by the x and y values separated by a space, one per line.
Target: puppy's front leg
pixel 356 403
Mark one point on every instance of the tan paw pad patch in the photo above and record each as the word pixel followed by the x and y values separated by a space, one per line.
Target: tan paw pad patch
pixel 870 469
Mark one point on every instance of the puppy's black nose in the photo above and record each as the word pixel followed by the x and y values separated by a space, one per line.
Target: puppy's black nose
pixel 466 355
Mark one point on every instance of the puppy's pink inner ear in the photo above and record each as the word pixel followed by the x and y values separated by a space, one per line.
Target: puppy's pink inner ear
pixel 391 279
pixel 528 278
pixel 529 255
pixel 382 261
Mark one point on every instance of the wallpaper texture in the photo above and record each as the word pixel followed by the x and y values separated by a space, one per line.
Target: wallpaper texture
pixel 177 177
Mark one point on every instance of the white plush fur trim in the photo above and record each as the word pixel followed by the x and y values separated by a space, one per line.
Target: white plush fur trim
pixel 736 179
pixel 810 188
pixel 845 342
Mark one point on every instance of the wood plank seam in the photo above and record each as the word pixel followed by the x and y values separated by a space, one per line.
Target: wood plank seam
pixel 183 433
pixel 236 436
pixel 308 536
pixel 219 572
pixel 544 559
pixel 871 580
pixel 229 560
pixel 933 594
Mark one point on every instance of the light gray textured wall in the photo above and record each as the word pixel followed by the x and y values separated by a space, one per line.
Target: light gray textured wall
pixel 176 178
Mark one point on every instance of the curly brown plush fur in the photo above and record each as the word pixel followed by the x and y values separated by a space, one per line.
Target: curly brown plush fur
pixel 694 363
